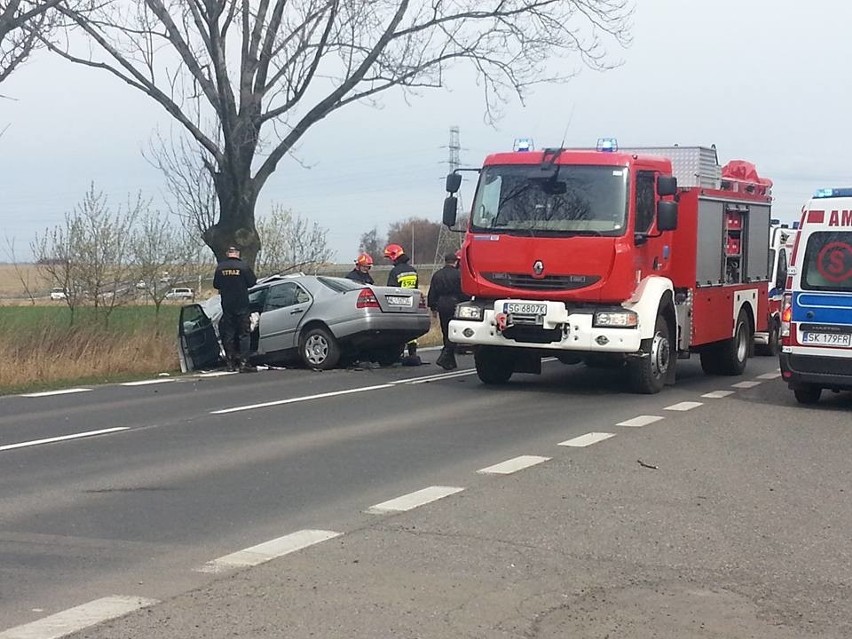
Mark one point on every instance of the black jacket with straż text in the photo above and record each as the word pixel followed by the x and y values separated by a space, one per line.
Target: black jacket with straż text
pixel 233 278
pixel 403 275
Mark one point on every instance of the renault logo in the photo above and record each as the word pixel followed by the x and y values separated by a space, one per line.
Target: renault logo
pixel 538 268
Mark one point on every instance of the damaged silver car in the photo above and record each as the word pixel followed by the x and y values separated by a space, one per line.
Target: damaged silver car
pixel 318 320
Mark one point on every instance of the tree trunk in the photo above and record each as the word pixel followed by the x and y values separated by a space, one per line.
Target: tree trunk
pixel 236 225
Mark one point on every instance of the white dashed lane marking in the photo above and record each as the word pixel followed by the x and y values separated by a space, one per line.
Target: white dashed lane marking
pixel 718 394
pixel 63 438
pixel 413 500
pixel 746 384
pixel 586 440
pixel 65 391
pixel 684 406
pixel 268 550
pixel 774 375
pixel 513 465
pixel 642 420
pixel 78 618
pixel 148 382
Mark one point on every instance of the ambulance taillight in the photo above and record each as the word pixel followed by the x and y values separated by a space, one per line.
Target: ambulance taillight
pixel 786 317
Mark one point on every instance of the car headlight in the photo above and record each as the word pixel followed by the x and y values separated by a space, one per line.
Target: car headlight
pixel 615 319
pixel 468 312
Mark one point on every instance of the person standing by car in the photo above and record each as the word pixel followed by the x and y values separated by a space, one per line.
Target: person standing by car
pixel 444 293
pixel 405 276
pixel 361 272
pixel 232 279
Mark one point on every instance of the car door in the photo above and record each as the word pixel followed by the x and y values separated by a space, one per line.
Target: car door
pixel 285 305
pixel 198 344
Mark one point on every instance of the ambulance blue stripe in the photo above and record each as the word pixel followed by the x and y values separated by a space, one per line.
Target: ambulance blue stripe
pixel 821 308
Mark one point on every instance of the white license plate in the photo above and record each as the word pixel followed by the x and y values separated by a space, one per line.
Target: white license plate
pixel 827 339
pixel 524 308
pixel 399 300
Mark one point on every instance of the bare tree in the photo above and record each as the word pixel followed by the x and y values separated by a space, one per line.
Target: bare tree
pixel 247 79
pixel 163 255
pixel 371 243
pixel 89 256
pixel 290 243
pixel 23 25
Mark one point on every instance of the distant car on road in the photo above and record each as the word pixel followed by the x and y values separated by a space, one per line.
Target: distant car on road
pixel 180 294
pixel 321 321
pixel 58 293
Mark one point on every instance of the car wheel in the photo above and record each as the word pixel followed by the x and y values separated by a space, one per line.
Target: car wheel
pixel 319 349
pixel 494 365
pixel 648 373
pixel 729 357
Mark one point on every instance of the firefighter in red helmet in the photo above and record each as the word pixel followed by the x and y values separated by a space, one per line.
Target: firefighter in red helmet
pixel 361 272
pixel 405 276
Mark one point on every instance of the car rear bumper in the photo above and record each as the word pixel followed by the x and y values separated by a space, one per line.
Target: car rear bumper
pixel 826 372
pixel 380 330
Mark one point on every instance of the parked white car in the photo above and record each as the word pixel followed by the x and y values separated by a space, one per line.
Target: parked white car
pixel 180 294
pixel 57 294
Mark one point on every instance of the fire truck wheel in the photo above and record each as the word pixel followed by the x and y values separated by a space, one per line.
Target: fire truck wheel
pixel 648 374
pixel 494 365
pixel 807 394
pixel 729 357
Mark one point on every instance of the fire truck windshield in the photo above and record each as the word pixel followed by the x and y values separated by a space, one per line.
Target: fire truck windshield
pixel 569 200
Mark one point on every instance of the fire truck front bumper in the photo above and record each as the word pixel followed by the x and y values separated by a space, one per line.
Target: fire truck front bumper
pixel 546 325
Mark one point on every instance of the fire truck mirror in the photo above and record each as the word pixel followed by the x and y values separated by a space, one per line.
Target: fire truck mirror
pixel 451 205
pixel 666 216
pixel 666 185
pixel 453 182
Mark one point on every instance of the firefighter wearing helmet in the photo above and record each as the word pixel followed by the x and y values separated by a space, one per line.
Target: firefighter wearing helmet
pixel 405 276
pixel 361 272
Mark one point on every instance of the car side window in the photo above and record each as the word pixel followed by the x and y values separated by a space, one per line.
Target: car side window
pixel 781 277
pixel 284 295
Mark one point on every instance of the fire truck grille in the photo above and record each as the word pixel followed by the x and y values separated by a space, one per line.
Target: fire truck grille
pixel 821 365
pixel 546 283
pixel 532 334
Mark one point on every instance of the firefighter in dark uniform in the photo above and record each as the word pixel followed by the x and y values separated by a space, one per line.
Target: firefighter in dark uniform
pixel 361 272
pixel 444 293
pixel 405 276
pixel 232 279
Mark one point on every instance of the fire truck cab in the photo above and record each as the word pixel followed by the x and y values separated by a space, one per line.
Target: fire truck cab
pixel 627 258
pixel 816 327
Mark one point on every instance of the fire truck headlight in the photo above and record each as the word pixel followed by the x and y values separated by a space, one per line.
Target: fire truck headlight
pixel 469 312
pixel 615 319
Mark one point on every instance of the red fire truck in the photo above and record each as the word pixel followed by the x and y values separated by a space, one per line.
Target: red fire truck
pixel 629 258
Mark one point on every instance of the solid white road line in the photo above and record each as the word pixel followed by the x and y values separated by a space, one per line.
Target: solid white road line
pixel 306 398
pixel 774 375
pixel 146 382
pixel 683 406
pixel 413 500
pixel 436 378
pixel 746 384
pixel 268 550
pixel 586 440
pixel 216 374
pixel 78 618
pixel 51 440
pixel 65 391
pixel 513 465
pixel 642 420
pixel 718 394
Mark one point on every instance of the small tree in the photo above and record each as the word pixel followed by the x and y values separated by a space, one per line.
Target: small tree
pixel 290 243
pixel 89 256
pixel 371 243
pixel 160 247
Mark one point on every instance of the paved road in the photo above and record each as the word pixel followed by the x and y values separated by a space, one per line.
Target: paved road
pixel 742 521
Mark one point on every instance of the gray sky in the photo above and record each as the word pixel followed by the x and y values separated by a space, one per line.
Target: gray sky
pixel 763 80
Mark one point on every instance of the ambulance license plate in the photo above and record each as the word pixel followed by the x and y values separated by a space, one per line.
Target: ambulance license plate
pixel 524 308
pixel 399 300
pixel 827 339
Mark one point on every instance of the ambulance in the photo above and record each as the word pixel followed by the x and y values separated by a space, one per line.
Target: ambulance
pixel 816 316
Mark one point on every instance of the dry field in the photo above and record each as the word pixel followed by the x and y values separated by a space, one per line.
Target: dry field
pixel 13 279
